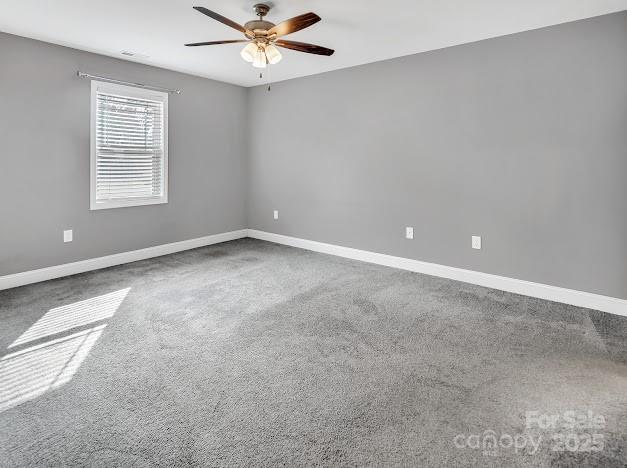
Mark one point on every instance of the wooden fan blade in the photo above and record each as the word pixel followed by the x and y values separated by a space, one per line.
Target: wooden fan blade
pixel 294 24
pixel 195 44
pixel 220 18
pixel 304 47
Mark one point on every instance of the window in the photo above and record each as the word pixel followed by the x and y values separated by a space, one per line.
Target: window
pixel 129 146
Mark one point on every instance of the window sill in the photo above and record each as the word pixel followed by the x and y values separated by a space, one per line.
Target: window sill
pixel 105 205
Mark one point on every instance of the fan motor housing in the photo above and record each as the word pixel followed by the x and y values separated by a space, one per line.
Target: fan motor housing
pixel 258 25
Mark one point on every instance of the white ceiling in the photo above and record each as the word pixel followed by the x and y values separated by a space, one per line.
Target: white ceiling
pixel 360 31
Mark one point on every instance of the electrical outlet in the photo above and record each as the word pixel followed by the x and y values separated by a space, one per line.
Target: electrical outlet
pixel 409 232
pixel 476 242
pixel 68 236
pixel 276 214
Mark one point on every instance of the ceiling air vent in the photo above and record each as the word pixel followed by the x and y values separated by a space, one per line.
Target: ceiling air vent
pixel 134 54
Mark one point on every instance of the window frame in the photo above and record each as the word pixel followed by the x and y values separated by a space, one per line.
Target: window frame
pixel 132 92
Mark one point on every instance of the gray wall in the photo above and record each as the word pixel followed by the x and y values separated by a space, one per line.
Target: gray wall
pixel 520 139
pixel 44 159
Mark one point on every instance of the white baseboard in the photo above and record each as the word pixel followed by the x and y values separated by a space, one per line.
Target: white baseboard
pixel 542 291
pixel 43 274
pixel 552 293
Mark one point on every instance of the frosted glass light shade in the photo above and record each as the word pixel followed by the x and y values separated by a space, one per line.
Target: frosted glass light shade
pixel 249 51
pixel 260 60
pixel 273 54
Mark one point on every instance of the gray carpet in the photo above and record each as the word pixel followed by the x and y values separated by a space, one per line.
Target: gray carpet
pixel 251 353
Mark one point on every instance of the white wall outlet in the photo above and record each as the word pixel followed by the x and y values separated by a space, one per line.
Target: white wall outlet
pixel 476 242
pixel 409 232
pixel 276 214
pixel 68 236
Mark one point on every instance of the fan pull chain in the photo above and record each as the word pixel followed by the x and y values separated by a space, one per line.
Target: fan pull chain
pixel 269 84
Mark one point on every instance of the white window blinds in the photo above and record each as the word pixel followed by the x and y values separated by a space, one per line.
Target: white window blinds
pixel 129 146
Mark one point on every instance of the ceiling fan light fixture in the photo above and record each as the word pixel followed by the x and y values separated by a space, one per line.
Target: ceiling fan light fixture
pixel 260 60
pixel 249 51
pixel 273 54
pixel 262 37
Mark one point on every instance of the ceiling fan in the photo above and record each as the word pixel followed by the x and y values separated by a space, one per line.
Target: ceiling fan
pixel 262 36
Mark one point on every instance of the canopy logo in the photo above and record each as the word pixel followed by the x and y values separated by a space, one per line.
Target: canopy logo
pixel 571 431
pixel 490 443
